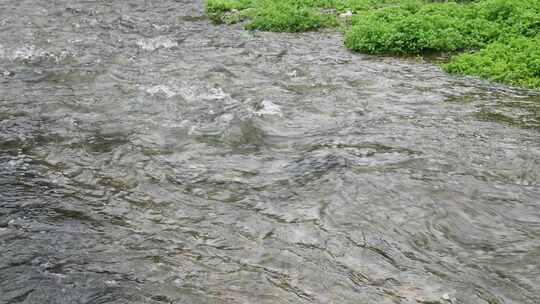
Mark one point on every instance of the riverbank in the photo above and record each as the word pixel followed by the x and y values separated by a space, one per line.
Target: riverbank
pixel 493 39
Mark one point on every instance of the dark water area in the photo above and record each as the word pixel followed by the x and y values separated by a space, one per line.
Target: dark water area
pixel 149 156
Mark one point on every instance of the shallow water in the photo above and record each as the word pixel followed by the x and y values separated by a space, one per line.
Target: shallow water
pixel 148 156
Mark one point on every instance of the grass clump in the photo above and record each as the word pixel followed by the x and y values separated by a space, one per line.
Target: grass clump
pixel 513 60
pixel 499 38
pixel 221 10
pixel 442 27
pixel 502 35
pixel 287 15
pixel 437 27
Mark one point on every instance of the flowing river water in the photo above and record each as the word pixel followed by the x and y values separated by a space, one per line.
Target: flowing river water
pixel 149 156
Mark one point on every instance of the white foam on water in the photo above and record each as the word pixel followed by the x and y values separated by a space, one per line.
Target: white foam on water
pixel 161 89
pixel 215 94
pixel 269 108
pixel 31 52
pixel 187 93
pixel 152 44
pixel 161 27
pixel 293 73
pixel 26 52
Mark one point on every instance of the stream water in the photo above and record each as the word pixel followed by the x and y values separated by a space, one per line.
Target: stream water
pixel 149 156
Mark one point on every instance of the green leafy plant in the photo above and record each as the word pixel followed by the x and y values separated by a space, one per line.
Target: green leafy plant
pixel 498 38
pixel 513 60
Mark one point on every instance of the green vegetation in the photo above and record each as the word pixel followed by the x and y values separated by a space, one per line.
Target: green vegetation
pixel 267 15
pixel 494 39
pixel 515 60
pixel 288 15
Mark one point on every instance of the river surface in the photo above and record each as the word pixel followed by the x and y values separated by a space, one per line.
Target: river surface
pixel 148 156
